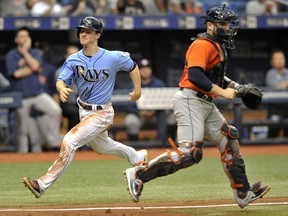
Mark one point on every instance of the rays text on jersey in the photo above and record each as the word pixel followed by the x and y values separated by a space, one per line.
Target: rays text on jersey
pixel 92 75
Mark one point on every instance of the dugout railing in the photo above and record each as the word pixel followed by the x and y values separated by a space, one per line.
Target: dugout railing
pixel 161 99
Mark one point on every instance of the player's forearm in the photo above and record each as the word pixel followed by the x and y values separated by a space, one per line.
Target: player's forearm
pixel 63 90
pixel 136 80
pixel 60 85
pixel 217 91
pixel 224 93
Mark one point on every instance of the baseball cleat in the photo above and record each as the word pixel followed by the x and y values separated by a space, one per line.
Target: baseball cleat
pixel 134 186
pixel 255 192
pixel 244 200
pixel 33 186
pixel 259 191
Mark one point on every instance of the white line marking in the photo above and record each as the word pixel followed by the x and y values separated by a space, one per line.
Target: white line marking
pixel 132 208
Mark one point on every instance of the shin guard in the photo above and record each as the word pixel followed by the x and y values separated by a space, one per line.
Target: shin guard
pixel 169 163
pixel 233 163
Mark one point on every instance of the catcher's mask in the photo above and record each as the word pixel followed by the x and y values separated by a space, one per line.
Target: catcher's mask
pixel 91 23
pixel 223 14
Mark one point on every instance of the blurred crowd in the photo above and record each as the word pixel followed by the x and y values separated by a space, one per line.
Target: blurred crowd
pixel 47 72
pixel 134 7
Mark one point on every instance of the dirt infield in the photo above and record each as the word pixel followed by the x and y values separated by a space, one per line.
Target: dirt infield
pixel 134 209
pixel 131 209
pixel 91 155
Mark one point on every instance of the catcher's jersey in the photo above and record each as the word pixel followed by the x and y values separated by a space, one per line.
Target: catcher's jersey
pixel 203 53
pixel 95 76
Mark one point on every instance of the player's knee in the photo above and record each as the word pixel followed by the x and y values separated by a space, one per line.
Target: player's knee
pixel 197 152
pixel 195 155
pixel 70 141
pixel 232 135
pixel 230 131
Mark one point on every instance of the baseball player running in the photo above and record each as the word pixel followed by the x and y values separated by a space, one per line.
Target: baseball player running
pixel 197 116
pixel 93 70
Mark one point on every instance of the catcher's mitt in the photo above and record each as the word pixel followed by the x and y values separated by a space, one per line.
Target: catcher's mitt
pixel 251 95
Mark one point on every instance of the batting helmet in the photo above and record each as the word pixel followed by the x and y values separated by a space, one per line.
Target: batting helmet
pixel 223 14
pixel 91 23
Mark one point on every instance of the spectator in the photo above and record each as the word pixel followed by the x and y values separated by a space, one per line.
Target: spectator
pixel 23 67
pixel 4 122
pixel 162 6
pixel 175 7
pixel 277 79
pixel 281 7
pixel 261 7
pixel 191 6
pixel 39 139
pixel 63 2
pixel 13 8
pixel 47 71
pixel 45 8
pixel 131 7
pixel 113 6
pixel 80 7
pixel 70 108
pixel 4 82
pixel 102 7
pixel 137 119
pixel 151 7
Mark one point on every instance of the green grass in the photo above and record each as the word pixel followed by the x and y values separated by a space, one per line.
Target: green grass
pixel 102 182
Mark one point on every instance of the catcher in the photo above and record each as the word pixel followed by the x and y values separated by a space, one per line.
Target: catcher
pixel 203 79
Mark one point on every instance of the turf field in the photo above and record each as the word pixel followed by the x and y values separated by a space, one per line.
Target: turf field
pixel 97 187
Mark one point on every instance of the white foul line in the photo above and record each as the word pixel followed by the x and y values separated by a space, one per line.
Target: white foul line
pixel 132 208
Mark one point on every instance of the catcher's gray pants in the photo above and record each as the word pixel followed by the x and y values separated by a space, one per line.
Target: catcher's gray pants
pixel 196 118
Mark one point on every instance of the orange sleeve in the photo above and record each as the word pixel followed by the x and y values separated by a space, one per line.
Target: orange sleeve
pixel 200 54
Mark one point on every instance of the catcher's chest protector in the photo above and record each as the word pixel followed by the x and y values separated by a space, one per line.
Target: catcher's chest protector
pixel 217 73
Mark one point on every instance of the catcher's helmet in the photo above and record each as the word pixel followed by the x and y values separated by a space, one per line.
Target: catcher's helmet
pixel 91 23
pixel 223 14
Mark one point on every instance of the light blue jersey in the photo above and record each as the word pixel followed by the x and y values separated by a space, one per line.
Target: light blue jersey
pixel 95 76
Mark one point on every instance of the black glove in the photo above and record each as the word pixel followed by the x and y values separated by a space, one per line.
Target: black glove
pixel 251 95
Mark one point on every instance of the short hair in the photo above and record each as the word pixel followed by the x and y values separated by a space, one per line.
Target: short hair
pixel 21 29
pixel 275 50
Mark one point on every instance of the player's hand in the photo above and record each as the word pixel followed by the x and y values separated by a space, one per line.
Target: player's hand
pixel 134 96
pixel 229 93
pixel 64 92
